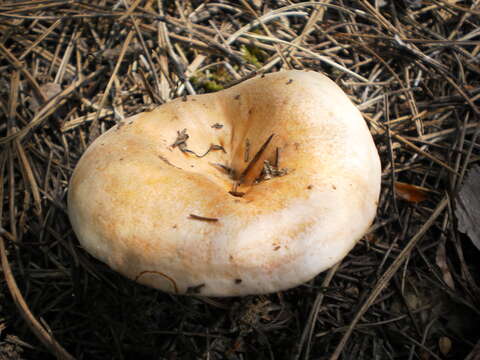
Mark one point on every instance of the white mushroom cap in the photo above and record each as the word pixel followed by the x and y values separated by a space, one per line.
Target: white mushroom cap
pixel 167 218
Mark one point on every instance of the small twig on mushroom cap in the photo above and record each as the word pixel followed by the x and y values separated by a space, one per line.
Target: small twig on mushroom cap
pixel 255 159
pixel 236 193
pixel 181 140
pixel 181 143
pixel 211 148
pixel 225 169
pixel 270 171
pixel 203 218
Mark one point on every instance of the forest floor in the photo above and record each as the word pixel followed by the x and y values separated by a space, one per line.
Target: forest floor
pixel 69 70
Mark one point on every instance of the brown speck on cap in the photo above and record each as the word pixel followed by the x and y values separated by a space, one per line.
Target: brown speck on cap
pixel 238 281
pixel 236 193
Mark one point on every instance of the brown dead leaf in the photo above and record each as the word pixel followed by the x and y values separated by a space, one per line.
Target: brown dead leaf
pixel 410 193
pixel 467 206
pixel 49 90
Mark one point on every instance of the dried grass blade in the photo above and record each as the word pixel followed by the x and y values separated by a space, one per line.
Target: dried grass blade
pixel 423 153
pixel 3 163
pixel 309 329
pixel 40 39
pixel 312 53
pixel 40 332
pixel 389 273
pixel 49 108
pixel 94 125
pixel 18 65
pixel 30 178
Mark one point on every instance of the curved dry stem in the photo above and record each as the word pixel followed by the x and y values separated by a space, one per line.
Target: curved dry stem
pixel 40 332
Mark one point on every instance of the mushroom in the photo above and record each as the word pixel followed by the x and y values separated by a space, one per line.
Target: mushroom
pixel 249 190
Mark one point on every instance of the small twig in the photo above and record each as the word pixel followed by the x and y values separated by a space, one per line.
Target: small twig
pixel 255 159
pixel 38 329
pixel 203 218
pixel 389 273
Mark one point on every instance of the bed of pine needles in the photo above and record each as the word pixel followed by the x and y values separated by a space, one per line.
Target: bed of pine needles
pixel 69 70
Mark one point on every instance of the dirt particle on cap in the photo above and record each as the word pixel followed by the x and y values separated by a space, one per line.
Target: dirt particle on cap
pixel 236 193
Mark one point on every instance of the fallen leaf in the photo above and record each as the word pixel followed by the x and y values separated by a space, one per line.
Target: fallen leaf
pixel 467 206
pixel 49 90
pixel 410 193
